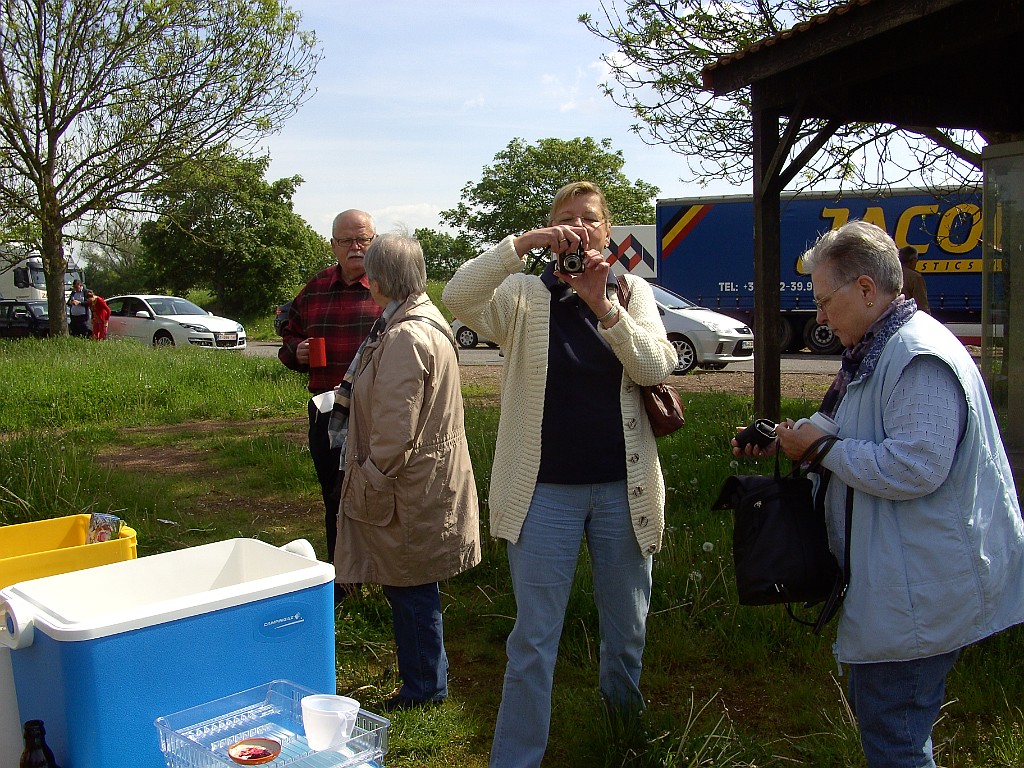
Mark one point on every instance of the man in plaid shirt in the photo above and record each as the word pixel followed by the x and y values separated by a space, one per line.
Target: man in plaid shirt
pixel 335 305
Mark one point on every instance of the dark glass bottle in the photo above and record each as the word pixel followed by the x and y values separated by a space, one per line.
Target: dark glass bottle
pixel 36 754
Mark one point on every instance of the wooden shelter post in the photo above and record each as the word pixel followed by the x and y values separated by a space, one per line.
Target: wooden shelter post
pixel 767 243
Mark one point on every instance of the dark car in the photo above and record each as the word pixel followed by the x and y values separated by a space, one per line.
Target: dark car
pixel 21 318
pixel 281 318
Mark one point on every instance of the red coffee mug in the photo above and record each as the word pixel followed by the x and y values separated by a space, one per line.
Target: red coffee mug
pixel 317 352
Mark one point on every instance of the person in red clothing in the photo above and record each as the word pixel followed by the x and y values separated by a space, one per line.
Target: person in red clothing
pixel 335 305
pixel 100 314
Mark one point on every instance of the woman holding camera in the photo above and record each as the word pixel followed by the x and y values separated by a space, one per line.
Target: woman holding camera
pixel 935 536
pixel 409 515
pixel 575 455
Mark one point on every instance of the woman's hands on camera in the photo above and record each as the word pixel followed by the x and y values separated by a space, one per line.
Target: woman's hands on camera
pixel 795 440
pixel 560 238
pixel 590 284
pixel 791 438
pixel 755 441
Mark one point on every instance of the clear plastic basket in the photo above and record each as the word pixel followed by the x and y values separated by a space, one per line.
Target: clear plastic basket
pixel 199 737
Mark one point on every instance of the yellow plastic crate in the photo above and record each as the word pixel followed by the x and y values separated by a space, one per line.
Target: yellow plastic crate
pixel 49 547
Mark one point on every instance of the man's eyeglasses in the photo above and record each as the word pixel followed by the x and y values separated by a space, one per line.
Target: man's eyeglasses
pixel 348 242
pixel 824 300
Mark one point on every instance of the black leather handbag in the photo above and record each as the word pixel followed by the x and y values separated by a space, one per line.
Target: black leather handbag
pixel 780 544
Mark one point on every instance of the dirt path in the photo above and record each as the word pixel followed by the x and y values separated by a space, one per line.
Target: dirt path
pixel 810 386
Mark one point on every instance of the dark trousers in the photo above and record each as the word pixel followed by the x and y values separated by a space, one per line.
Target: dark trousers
pixel 419 639
pixel 79 325
pixel 327 462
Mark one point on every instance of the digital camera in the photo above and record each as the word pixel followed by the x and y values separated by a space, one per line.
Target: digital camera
pixel 760 433
pixel 572 262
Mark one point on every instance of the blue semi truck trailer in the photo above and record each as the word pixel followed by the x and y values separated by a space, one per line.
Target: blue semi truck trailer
pixel 704 250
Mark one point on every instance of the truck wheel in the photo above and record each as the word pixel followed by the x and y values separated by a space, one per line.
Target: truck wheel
pixel 686 355
pixel 163 339
pixel 466 337
pixel 820 339
pixel 787 336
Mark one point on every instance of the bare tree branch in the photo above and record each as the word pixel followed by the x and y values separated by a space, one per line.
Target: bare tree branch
pixel 660 48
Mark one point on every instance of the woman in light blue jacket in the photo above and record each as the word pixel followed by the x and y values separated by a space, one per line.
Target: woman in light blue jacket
pixel 936 540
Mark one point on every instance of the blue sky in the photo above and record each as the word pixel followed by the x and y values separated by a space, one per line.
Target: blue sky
pixel 414 98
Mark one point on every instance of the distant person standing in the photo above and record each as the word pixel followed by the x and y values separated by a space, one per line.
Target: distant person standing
pixel 913 281
pixel 336 306
pixel 79 310
pixel 100 314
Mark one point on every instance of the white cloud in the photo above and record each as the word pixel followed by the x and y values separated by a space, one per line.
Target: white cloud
pixel 411 104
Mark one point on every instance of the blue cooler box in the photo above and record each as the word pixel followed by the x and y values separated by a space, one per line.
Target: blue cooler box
pixel 99 654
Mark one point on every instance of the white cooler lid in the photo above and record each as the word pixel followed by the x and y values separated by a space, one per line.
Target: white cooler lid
pixel 109 599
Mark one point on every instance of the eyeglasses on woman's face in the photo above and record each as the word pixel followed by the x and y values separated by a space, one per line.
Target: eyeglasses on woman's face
pixel 823 302
pixel 578 221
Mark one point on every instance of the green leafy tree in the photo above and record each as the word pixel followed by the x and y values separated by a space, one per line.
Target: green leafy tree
pixel 515 193
pixel 100 98
pixel 662 46
pixel 228 231
pixel 443 252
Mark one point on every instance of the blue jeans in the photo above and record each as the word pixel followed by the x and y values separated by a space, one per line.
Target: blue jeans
pixel 897 704
pixel 542 564
pixel 419 637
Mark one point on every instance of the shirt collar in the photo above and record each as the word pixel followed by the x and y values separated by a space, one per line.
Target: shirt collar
pixel 339 278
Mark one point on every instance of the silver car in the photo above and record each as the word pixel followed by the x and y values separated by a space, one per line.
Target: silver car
pixel 168 321
pixel 701 336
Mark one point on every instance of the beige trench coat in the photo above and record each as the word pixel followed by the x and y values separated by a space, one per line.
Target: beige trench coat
pixel 409 512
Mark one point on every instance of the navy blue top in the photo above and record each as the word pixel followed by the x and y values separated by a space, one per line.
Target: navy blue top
pixel 581 433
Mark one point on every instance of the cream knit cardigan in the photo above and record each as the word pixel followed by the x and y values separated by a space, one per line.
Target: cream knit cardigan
pixel 493 296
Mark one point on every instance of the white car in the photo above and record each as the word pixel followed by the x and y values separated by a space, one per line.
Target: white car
pixel 467 337
pixel 167 321
pixel 701 336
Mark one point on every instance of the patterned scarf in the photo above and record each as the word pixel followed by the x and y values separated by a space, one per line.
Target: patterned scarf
pixel 859 361
pixel 337 429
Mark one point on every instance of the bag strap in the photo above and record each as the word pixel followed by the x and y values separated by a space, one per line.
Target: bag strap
pixel 433 322
pixel 825 440
pixel 624 292
pixel 815 452
pixel 835 600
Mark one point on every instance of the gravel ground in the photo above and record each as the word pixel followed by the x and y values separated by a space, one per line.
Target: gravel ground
pixel 809 386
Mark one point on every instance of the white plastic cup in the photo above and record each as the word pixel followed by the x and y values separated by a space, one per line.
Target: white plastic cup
pixel 821 421
pixel 328 720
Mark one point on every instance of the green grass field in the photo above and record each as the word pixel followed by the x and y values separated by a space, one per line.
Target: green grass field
pixel 190 446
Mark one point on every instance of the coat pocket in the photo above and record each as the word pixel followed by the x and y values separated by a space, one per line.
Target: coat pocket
pixel 369 496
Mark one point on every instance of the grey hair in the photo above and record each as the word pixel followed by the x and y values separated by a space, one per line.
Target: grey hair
pixel 395 262
pixel 353 213
pixel 858 248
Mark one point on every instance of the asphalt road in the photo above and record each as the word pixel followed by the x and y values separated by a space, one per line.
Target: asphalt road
pixel 800 362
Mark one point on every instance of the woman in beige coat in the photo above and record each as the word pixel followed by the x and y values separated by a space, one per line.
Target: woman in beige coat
pixel 409 515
